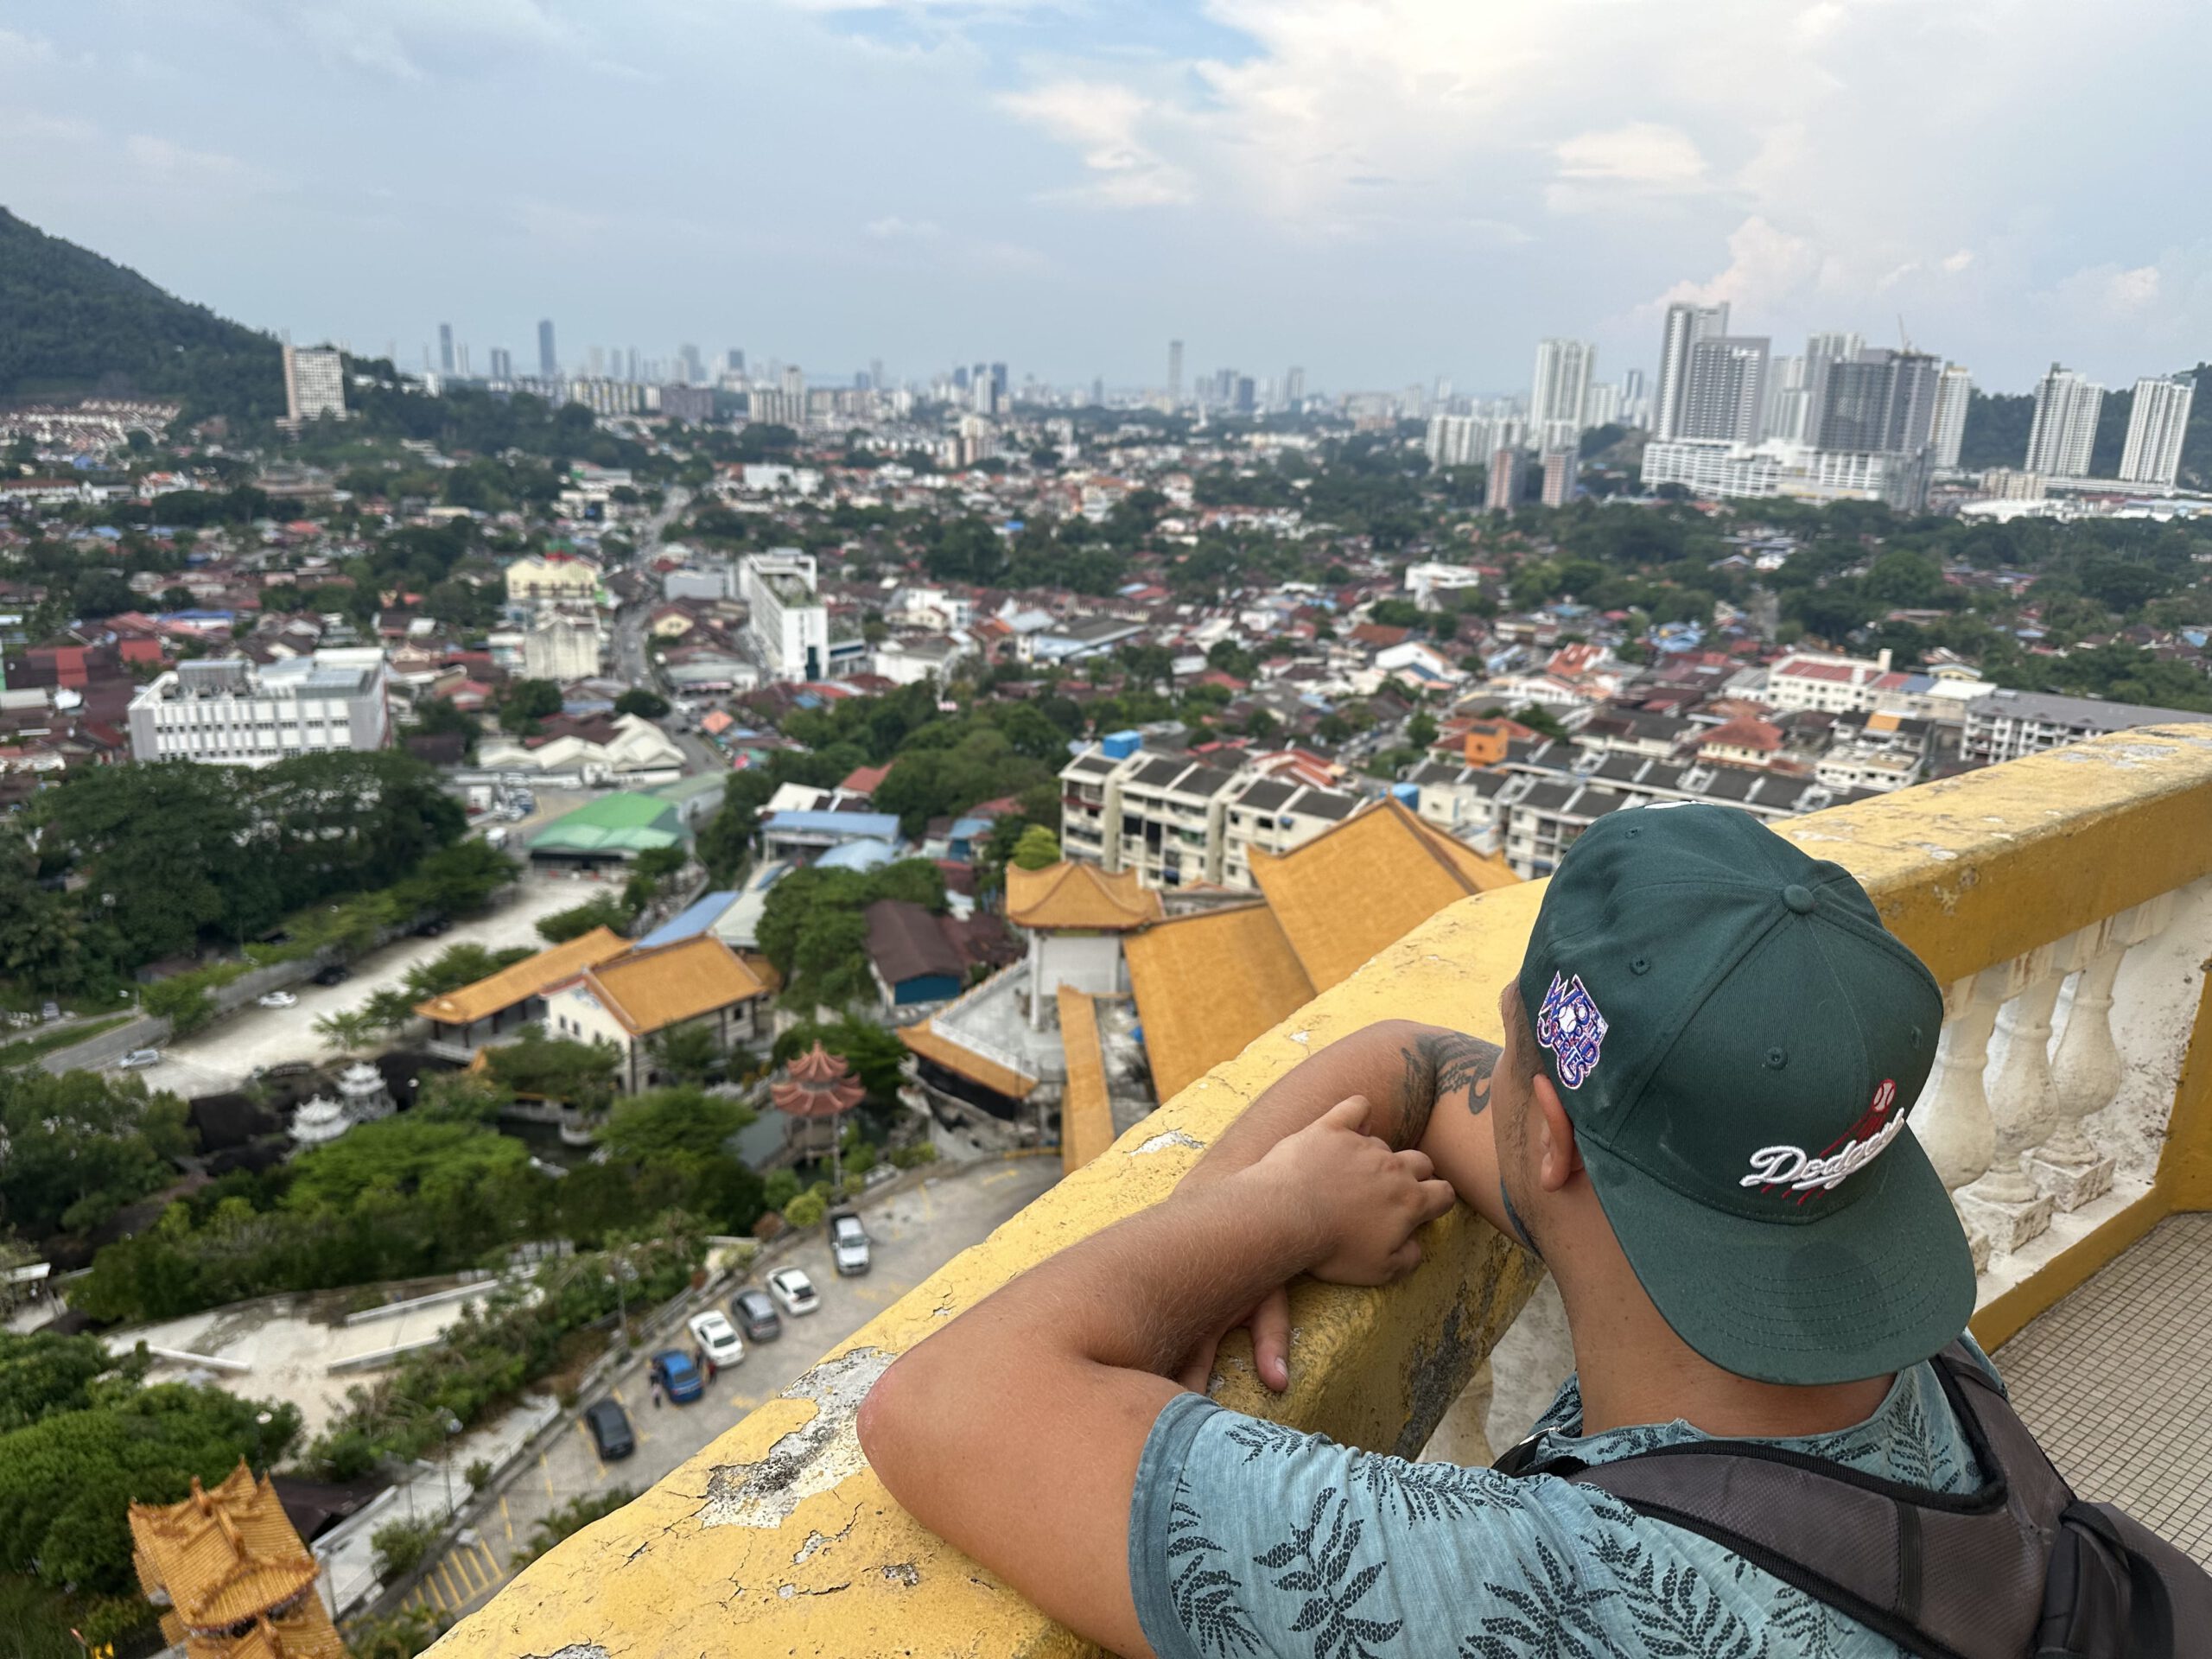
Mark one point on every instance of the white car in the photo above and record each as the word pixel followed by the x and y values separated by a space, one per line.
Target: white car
pixel 140 1057
pixel 278 1000
pixel 717 1338
pixel 794 1291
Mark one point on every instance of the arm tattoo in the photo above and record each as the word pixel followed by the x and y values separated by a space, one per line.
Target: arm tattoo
pixel 1439 1065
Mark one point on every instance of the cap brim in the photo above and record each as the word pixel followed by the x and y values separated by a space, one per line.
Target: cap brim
pixel 1877 1286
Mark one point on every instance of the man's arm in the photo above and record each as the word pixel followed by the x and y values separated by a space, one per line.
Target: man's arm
pixel 1015 1432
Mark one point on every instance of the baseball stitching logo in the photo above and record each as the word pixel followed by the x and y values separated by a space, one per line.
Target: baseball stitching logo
pixel 1570 1025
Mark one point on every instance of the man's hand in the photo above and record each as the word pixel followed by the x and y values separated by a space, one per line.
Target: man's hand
pixel 1362 1202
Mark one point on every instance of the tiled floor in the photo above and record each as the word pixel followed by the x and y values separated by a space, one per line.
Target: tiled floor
pixel 2116 1381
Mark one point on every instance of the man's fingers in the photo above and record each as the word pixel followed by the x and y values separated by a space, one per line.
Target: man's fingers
pixel 1405 1258
pixel 1271 1339
pixel 1416 1164
pixel 1197 1371
pixel 1437 1198
pixel 1349 1113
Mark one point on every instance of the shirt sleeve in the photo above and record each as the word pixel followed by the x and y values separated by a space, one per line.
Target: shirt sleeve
pixel 1249 1538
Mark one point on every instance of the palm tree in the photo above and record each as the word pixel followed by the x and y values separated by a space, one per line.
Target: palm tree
pixel 347 1031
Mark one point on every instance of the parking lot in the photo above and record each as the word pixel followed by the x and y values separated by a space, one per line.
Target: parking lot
pixel 223 1056
pixel 913 1234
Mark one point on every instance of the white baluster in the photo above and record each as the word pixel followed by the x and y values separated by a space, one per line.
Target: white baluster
pixel 2086 1069
pixel 2005 1203
pixel 1952 1120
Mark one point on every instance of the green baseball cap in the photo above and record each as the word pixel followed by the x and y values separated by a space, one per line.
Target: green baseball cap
pixel 1737 1039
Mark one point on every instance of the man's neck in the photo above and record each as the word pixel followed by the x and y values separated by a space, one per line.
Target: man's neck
pixel 1636 1370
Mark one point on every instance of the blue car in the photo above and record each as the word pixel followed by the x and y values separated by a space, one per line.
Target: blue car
pixel 672 1368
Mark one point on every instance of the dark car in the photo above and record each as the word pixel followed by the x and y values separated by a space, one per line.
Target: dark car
pixel 332 975
pixel 673 1370
pixel 756 1315
pixel 610 1430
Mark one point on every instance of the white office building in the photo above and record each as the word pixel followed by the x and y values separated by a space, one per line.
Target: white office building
pixel 789 626
pixel 1947 431
pixel 2155 429
pixel 1723 470
pixel 1724 395
pixel 314 384
pixel 1686 326
pixel 2065 428
pixel 230 711
pixel 1560 389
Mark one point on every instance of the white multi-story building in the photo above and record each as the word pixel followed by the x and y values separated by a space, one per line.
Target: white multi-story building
pixel 1456 441
pixel 314 384
pixel 230 711
pixel 789 626
pixel 1947 431
pixel 1791 470
pixel 2155 428
pixel 1724 395
pixel 2005 725
pixel 1601 405
pixel 2065 428
pixel 1833 685
pixel 561 647
pixel 1560 389
pixel 1787 400
pixel 1427 579
pixel 1686 326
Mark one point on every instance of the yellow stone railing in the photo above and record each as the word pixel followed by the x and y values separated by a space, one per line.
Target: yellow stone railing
pixel 777 1538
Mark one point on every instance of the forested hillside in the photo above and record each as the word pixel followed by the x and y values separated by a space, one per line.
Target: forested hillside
pixel 73 322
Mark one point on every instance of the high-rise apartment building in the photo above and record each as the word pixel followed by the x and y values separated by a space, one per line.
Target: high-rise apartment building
pixel 314 383
pixel 548 366
pixel 788 624
pixel 503 364
pixel 1787 399
pixel 1501 489
pixel 692 368
pixel 596 362
pixel 1633 410
pixel 2155 428
pixel 1601 404
pixel 1561 384
pixel 1878 403
pixel 445 348
pixel 1456 440
pixel 1561 469
pixel 1174 374
pixel 2065 429
pixel 734 361
pixel 1686 326
pixel 1724 391
pixel 1293 387
pixel 1947 430
pixel 1823 352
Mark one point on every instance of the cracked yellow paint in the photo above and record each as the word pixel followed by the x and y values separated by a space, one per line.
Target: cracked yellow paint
pixel 777 1538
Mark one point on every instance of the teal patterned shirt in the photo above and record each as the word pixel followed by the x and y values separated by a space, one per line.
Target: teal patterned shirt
pixel 1249 1538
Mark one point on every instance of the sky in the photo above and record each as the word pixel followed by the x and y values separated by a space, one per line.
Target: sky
pixel 1381 191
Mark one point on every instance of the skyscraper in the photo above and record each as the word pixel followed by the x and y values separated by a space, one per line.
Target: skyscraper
pixel 1502 488
pixel 1724 391
pixel 1786 399
pixel 596 362
pixel 314 384
pixel 1822 351
pixel 690 366
pixel 1879 402
pixel 1686 326
pixel 1556 396
pixel 445 348
pixel 2155 427
pixel 734 361
pixel 1953 391
pixel 548 366
pixel 503 364
pixel 1293 387
pixel 1560 469
pixel 1174 374
pixel 2065 428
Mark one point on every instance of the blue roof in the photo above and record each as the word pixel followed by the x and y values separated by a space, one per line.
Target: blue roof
pixel 853 826
pixel 857 856
pixel 967 828
pixel 693 920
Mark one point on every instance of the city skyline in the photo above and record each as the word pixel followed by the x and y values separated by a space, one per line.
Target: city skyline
pixel 1381 195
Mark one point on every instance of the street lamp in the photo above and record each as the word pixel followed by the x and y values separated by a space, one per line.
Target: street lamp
pixel 261 1420
pixel 453 1427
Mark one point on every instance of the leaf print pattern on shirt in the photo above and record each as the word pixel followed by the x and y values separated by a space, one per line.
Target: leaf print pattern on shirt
pixel 1677 1614
pixel 1320 1570
pixel 1204 1593
pixel 1426 1492
pixel 1555 1616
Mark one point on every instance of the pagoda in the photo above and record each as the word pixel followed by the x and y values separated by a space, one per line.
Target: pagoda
pixel 229 1575
pixel 818 1087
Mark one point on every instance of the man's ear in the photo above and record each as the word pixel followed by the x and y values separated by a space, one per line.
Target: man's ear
pixel 1558 1159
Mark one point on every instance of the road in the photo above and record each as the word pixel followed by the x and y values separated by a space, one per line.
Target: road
pixel 221 1057
pixel 912 1234
pixel 631 666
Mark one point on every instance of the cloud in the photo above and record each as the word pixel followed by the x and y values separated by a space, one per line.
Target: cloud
pixel 1642 153
pixel 1767 268
pixel 1104 121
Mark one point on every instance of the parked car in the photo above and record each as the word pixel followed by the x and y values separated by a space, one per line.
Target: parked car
pixel 881 1175
pixel 757 1315
pixel 672 1368
pixel 278 1000
pixel 610 1430
pixel 139 1056
pixel 49 1011
pixel 794 1291
pixel 334 973
pixel 717 1338
pixel 849 1243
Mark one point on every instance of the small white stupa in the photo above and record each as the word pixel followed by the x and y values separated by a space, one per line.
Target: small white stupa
pixel 319 1119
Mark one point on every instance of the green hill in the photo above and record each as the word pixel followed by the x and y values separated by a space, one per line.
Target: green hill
pixel 71 323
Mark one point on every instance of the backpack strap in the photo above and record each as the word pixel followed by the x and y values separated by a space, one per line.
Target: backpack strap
pixel 1948 1576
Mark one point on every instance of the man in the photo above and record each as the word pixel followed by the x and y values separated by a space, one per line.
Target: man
pixel 1697 1119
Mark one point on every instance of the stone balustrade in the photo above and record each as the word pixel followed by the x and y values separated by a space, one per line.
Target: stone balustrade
pixel 2063 899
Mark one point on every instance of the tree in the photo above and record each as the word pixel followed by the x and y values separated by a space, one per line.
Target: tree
pixel 402 1634
pixel 556 1068
pixel 638 701
pixel 43 1374
pixel 528 701
pixel 687 1053
pixel 82 1145
pixel 605 911
pixel 1038 848
pixel 348 1030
